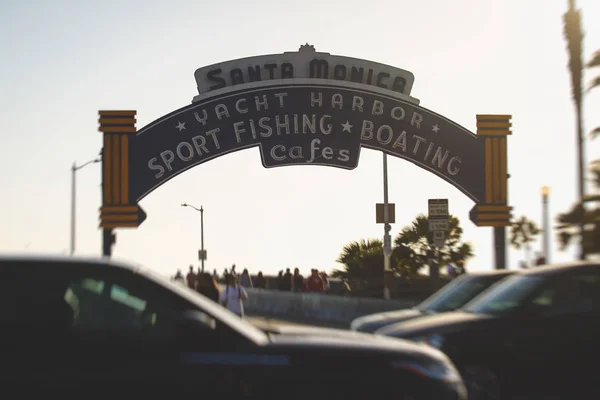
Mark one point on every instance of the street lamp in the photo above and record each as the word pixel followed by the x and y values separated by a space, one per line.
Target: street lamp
pixel 387 239
pixel 546 225
pixel 74 169
pixel 202 254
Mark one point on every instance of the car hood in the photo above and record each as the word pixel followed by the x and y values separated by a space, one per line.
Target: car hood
pixel 301 336
pixel 372 322
pixel 433 323
pixel 361 348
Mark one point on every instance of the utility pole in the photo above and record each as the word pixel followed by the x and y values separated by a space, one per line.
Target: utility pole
pixel 202 237
pixel 202 253
pixel 74 169
pixel 546 223
pixel 387 239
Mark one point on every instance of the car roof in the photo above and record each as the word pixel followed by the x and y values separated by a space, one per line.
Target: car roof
pixel 561 268
pixel 493 272
pixel 41 259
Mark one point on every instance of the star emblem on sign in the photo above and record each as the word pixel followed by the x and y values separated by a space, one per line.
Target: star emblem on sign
pixel 347 127
pixel 180 126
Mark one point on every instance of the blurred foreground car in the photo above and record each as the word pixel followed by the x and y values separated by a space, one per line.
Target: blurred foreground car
pixel 452 296
pixel 93 326
pixel 533 334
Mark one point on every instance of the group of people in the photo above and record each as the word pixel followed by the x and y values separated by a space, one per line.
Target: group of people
pixel 234 293
pixel 316 282
pixel 232 297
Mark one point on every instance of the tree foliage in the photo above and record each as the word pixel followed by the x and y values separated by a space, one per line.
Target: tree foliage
pixel 362 260
pixel 413 249
pixel 587 212
pixel 523 232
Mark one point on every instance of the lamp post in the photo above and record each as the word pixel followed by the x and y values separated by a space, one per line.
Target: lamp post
pixel 545 223
pixel 202 254
pixel 74 169
pixel 387 239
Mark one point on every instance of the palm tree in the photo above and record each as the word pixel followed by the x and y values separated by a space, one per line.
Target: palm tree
pixel 414 247
pixel 579 214
pixel 362 263
pixel 593 63
pixel 523 232
pixel 574 37
pixel 587 220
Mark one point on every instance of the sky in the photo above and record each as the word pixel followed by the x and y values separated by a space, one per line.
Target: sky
pixel 65 60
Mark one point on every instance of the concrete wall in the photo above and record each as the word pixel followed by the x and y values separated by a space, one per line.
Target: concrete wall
pixel 317 307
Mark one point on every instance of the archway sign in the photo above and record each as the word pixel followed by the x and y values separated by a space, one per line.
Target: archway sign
pixel 301 108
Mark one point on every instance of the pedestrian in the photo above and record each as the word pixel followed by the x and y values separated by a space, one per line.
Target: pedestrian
pixel 314 283
pixel 326 285
pixel 297 281
pixel 245 280
pixel 207 286
pixel 233 296
pixel 451 271
pixel 260 281
pixel 191 278
pixel 280 283
pixel 287 281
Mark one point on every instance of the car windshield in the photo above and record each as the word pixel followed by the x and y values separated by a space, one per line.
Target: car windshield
pixel 507 297
pixel 213 309
pixel 458 292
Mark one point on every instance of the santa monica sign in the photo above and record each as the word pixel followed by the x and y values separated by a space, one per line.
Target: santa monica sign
pixel 301 108
pixel 305 63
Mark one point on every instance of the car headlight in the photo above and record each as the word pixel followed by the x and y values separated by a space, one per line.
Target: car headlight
pixel 434 340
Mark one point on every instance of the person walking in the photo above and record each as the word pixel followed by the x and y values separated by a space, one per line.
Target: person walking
pixel 207 286
pixel 314 282
pixel 191 278
pixel 260 282
pixel 245 280
pixel 297 281
pixel 233 296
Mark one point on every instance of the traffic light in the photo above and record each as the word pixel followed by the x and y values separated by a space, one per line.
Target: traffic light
pixel 108 240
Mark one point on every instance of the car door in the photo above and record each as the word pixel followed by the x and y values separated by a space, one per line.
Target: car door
pixel 147 344
pixel 107 328
pixel 573 331
pixel 206 358
pixel 554 339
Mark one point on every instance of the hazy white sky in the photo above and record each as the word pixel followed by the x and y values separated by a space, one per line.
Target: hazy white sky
pixel 64 60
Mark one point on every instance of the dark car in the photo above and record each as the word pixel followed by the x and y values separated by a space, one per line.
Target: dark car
pixel 93 327
pixel 451 297
pixel 533 334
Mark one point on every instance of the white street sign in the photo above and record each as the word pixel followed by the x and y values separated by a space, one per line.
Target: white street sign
pixel 439 225
pixel 439 238
pixel 438 207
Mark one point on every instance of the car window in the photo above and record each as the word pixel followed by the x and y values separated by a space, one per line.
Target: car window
pixel 121 295
pixel 454 296
pixel 103 305
pixel 574 294
pixel 507 296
